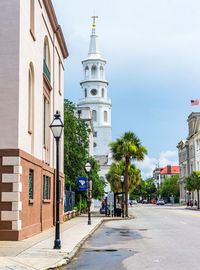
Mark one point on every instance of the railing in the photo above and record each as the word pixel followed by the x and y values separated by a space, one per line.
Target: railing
pixel 69 200
pixel 46 70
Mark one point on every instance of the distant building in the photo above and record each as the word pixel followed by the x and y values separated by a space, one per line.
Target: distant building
pixel 32 53
pixel 189 156
pixel 159 174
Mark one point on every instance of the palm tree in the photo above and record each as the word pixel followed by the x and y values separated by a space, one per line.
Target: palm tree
pixel 117 170
pixel 127 148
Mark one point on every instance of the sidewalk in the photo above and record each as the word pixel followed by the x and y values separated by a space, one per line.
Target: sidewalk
pixel 37 252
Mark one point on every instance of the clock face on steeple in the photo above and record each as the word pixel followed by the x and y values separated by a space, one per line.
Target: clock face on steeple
pixel 93 92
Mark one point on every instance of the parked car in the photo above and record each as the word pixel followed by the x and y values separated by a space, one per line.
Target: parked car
pixel 144 202
pixel 160 202
pixel 140 201
pixel 131 202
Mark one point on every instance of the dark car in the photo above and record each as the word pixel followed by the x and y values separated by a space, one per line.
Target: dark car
pixel 161 202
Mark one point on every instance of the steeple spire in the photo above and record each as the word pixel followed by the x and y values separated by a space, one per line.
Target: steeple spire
pixel 94 48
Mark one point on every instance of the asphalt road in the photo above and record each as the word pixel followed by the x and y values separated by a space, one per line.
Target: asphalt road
pixel 158 238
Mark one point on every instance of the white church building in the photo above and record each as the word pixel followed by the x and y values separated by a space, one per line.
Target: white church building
pixel 95 96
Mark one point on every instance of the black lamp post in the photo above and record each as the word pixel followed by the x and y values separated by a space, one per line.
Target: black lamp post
pixel 56 128
pixel 87 169
pixel 122 181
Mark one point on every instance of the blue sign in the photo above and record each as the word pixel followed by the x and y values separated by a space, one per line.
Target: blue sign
pixel 82 183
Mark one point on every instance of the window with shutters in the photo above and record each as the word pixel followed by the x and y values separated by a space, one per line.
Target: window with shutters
pixel 31 180
pixel 46 187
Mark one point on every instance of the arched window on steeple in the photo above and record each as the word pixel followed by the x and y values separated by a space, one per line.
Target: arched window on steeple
pixel 94 115
pixel 87 72
pixel 105 116
pixel 94 72
pixel 85 92
pixel 101 72
pixel 102 92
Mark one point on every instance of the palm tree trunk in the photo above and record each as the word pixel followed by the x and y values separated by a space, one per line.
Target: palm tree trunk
pixel 197 199
pixel 126 184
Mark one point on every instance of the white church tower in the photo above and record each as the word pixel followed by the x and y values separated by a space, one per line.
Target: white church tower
pixel 94 93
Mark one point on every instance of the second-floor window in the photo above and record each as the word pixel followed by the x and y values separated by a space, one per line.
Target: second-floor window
pixel 45 122
pixel 46 61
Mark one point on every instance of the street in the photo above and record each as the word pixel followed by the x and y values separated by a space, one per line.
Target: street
pixel 159 237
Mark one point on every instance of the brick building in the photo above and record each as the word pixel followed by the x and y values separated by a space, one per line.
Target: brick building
pixel 32 53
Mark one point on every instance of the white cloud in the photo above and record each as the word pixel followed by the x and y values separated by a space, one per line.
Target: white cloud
pixel 165 158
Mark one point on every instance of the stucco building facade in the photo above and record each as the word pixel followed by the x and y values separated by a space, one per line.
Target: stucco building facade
pixel 189 156
pixel 32 53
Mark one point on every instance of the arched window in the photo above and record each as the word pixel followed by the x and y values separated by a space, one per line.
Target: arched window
pixel 101 73
pixel 30 98
pixel 102 92
pixel 85 92
pixel 32 16
pixel 47 61
pixel 87 72
pixel 94 115
pixel 94 72
pixel 105 116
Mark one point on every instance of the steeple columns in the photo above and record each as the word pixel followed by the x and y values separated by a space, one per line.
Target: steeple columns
pixel 94 71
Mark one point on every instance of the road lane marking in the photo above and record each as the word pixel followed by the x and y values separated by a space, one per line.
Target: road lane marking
pixel 183 213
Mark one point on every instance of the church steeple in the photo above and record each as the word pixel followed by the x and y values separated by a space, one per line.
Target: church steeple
pixel 94 47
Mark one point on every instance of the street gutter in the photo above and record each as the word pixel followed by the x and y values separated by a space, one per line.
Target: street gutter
pixel 77 248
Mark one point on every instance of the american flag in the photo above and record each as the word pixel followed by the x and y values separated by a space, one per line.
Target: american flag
pixel 194 102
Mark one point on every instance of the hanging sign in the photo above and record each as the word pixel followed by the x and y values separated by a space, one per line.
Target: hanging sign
pixel 82 183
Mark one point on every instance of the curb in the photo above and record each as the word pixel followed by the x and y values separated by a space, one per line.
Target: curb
pixel 74 252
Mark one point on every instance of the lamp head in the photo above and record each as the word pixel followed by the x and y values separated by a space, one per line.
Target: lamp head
pixel 57 126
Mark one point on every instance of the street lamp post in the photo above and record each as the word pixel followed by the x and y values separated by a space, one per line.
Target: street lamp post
pixel 56 128
pixel 87 169
pixel 122 181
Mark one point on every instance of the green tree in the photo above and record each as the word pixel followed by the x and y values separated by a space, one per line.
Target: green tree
pixel 98 184
pixel 127 148
pixel 193 183
pixel 170 187
pixel 117 170
pixel 146 189
pixel 76 145
pixel 150 188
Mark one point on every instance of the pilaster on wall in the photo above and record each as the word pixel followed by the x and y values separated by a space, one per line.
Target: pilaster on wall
pixel 14 196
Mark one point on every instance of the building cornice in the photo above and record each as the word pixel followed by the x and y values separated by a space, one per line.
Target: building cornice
pixel 56 27
pixel 92 81
pixel 94 60
pixel 85 101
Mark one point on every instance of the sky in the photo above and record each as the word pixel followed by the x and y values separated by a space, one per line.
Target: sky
pixel 152 48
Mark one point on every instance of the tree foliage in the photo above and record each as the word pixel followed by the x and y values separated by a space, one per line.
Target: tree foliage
pixel 170 187
pixel 127 148
pixel 117 170
pixel 76 145
pixel 193 183
pixel 146 189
